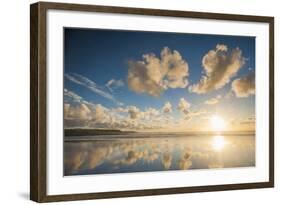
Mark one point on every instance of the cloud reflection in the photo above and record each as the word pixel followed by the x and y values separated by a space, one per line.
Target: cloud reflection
pixel 167 160
pixel 146 154
pixel 185 161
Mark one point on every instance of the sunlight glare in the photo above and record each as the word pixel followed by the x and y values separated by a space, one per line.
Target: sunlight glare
pixel 218 143
pixel 217 123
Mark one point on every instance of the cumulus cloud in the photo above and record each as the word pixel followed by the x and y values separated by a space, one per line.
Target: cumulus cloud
pixel 184 106
pixel 153 75
pixel 71 100
pixel 88 115
pixel 187 116
pixel 134 112
pixel 114 84
pixel 150 113
pixel 97 116
pixel 84 113
pixel 80 111
pixel 245 86
pixel 167 108
pixel 213 101
pixel 71 96
pixel 221 47
pixel 219 65
pixel 91 85
pixel 99 113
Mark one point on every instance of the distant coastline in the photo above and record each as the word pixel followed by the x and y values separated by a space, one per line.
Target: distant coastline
pixel 95 132
pixel 92 132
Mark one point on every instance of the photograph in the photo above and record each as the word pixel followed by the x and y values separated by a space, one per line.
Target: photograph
pixel 143 101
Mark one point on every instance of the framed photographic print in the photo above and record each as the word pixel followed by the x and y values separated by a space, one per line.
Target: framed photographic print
pixel 133 102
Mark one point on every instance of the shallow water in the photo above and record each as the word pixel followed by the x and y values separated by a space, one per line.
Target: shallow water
pixel 156 152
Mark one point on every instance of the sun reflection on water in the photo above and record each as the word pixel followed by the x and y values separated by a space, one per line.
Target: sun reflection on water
pixel 218 143
pixel 179 152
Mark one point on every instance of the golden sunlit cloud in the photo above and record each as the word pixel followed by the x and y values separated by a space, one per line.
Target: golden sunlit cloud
pixel 217 123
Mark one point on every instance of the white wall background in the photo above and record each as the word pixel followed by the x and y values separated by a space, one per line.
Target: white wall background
pixel 14 102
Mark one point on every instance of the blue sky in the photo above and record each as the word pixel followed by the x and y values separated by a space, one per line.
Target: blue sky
pixel 104 55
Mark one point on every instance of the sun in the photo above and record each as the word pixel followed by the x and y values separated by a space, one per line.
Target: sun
pixel 217 123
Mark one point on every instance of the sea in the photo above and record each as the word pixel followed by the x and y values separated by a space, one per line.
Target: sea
pixel 151 152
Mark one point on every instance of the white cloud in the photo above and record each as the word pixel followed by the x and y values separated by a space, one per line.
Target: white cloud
pixel 120 110
pixel 221 47
pixel 81 112
pixel 219 65
pixel 100 113
pixel 88 115
pixel 245 86
pixel 150 113
pixel 213 101
pixel 114 84
pixel 85 114
pixel 134 112
pixel 153 75
pixel 197 113
pixel 91 85
pixel 167 108
pixel 71 96
pixel 188 115
pixel 184 106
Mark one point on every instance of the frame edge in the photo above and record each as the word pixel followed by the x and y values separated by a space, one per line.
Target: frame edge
pixel 271 101
pixel 154 12
pixel 37 102
pixel 34 41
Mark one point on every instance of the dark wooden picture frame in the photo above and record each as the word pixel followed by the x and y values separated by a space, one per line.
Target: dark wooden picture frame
pixel 38 101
